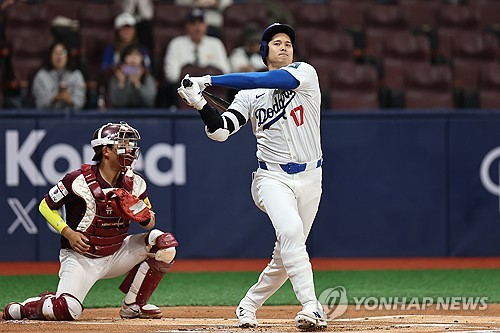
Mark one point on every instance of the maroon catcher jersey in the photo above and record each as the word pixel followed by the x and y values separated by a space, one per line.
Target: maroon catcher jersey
pixel 63 194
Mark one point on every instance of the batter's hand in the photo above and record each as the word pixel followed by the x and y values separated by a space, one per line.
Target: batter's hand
pixel 191 94
pixel 202 81
pixel 77 240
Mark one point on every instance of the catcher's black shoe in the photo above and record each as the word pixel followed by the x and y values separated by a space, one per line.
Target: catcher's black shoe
pixel 148 311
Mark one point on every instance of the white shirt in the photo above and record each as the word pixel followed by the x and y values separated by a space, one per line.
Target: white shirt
pixel 285 123
pixel 181 52
pixel 240 58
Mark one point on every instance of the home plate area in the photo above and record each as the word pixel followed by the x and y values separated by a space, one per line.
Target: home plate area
pixel 271 319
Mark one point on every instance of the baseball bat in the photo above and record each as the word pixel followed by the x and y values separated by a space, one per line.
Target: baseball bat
pixel 213 100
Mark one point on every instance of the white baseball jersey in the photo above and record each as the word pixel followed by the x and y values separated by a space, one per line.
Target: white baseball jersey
pixel 286 123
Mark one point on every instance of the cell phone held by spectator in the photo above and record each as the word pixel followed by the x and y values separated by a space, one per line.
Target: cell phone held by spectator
pixel 130 70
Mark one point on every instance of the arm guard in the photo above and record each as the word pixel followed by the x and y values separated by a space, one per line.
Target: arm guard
pixel 52 216
pixel 220 126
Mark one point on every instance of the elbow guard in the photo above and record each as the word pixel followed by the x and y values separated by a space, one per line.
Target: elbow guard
pixel 220 134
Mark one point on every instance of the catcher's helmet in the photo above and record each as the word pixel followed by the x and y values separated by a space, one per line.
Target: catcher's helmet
pixel 269 33
pixel 124 136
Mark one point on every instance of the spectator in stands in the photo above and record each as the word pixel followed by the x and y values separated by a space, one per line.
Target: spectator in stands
pixel 142 10
pixel 193 48
pixel 58 85
pixel 247 58
pixel 125 35
pixel 214 10
pixel 132 86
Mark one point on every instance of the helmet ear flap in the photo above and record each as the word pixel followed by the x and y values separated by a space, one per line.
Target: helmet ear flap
pixel 263 51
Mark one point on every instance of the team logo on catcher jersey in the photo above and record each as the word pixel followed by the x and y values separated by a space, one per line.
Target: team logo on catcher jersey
pixel 58 191
pixel 269 116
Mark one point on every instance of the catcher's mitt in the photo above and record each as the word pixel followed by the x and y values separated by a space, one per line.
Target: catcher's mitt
pixel 128 206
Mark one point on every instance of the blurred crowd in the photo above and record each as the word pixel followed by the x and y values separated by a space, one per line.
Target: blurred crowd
pixel 369 54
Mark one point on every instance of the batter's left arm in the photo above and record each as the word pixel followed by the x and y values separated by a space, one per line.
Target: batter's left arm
pixel 220 126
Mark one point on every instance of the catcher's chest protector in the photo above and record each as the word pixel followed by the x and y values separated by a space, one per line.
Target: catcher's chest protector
pixel 107 230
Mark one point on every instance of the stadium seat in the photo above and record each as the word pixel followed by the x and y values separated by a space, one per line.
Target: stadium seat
pixel 162 36
pixel 489 12
pixel 489 83
pixel 238 15
pixel 381 20
pixel 316 15
pixel 420 14
pixel 325 68
pixel 170 15
pixel 354 87
pixel 471 52
pixel 69 9
pixel 27 55
pixel 94 40
pixel 403 50
pixel 350 14
pixel 22 17
pixel 94 15
pixel 336 46
pixel 429 87
pixel 453 21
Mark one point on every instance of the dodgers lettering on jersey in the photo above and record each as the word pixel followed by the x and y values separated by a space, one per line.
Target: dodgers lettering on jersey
pixel 286 123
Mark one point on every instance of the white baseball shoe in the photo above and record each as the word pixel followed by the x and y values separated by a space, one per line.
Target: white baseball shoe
pixel 311 318
pixel 148 311
pixel 247 318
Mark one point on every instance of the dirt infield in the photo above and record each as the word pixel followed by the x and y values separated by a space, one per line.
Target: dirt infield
pixel 271 319
pixel 276 318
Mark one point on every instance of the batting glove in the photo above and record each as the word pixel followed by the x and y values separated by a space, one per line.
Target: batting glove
pixel 202 81
pixel 192 96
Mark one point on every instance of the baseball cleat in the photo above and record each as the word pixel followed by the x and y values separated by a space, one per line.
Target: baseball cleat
pixel 247 318
pixel 314 319
pixel 148 311
pixel 13 311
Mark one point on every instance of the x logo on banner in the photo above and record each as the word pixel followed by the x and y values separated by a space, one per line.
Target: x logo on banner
pixel 23 216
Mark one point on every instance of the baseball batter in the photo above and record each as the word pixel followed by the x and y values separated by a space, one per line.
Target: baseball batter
pixel 101 200
pixel 283 105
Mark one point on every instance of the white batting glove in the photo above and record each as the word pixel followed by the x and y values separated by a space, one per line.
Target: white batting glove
pixel 192 96
pixel 202 81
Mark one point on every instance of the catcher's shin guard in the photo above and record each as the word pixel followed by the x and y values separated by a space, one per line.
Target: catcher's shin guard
pixel 29 309
pixel 164 253
pixel 45 307
pixel 144 278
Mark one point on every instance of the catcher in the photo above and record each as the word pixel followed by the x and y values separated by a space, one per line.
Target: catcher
pixel 101 201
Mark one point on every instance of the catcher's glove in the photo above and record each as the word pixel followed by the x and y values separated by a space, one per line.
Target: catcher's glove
pixel 128 206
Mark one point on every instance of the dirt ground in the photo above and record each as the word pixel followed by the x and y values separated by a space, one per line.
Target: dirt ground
pixel 271 319
pixel 277 318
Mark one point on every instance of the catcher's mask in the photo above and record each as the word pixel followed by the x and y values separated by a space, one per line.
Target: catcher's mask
pixel 269 33
pixel 121 135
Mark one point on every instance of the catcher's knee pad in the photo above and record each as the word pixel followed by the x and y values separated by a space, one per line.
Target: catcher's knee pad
pixel 64 307
pixel 163 246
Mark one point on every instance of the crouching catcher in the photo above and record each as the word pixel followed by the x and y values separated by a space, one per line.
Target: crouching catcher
pixel 101 202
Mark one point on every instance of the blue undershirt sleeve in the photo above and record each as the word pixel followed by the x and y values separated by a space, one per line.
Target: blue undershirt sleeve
pixel 275 79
